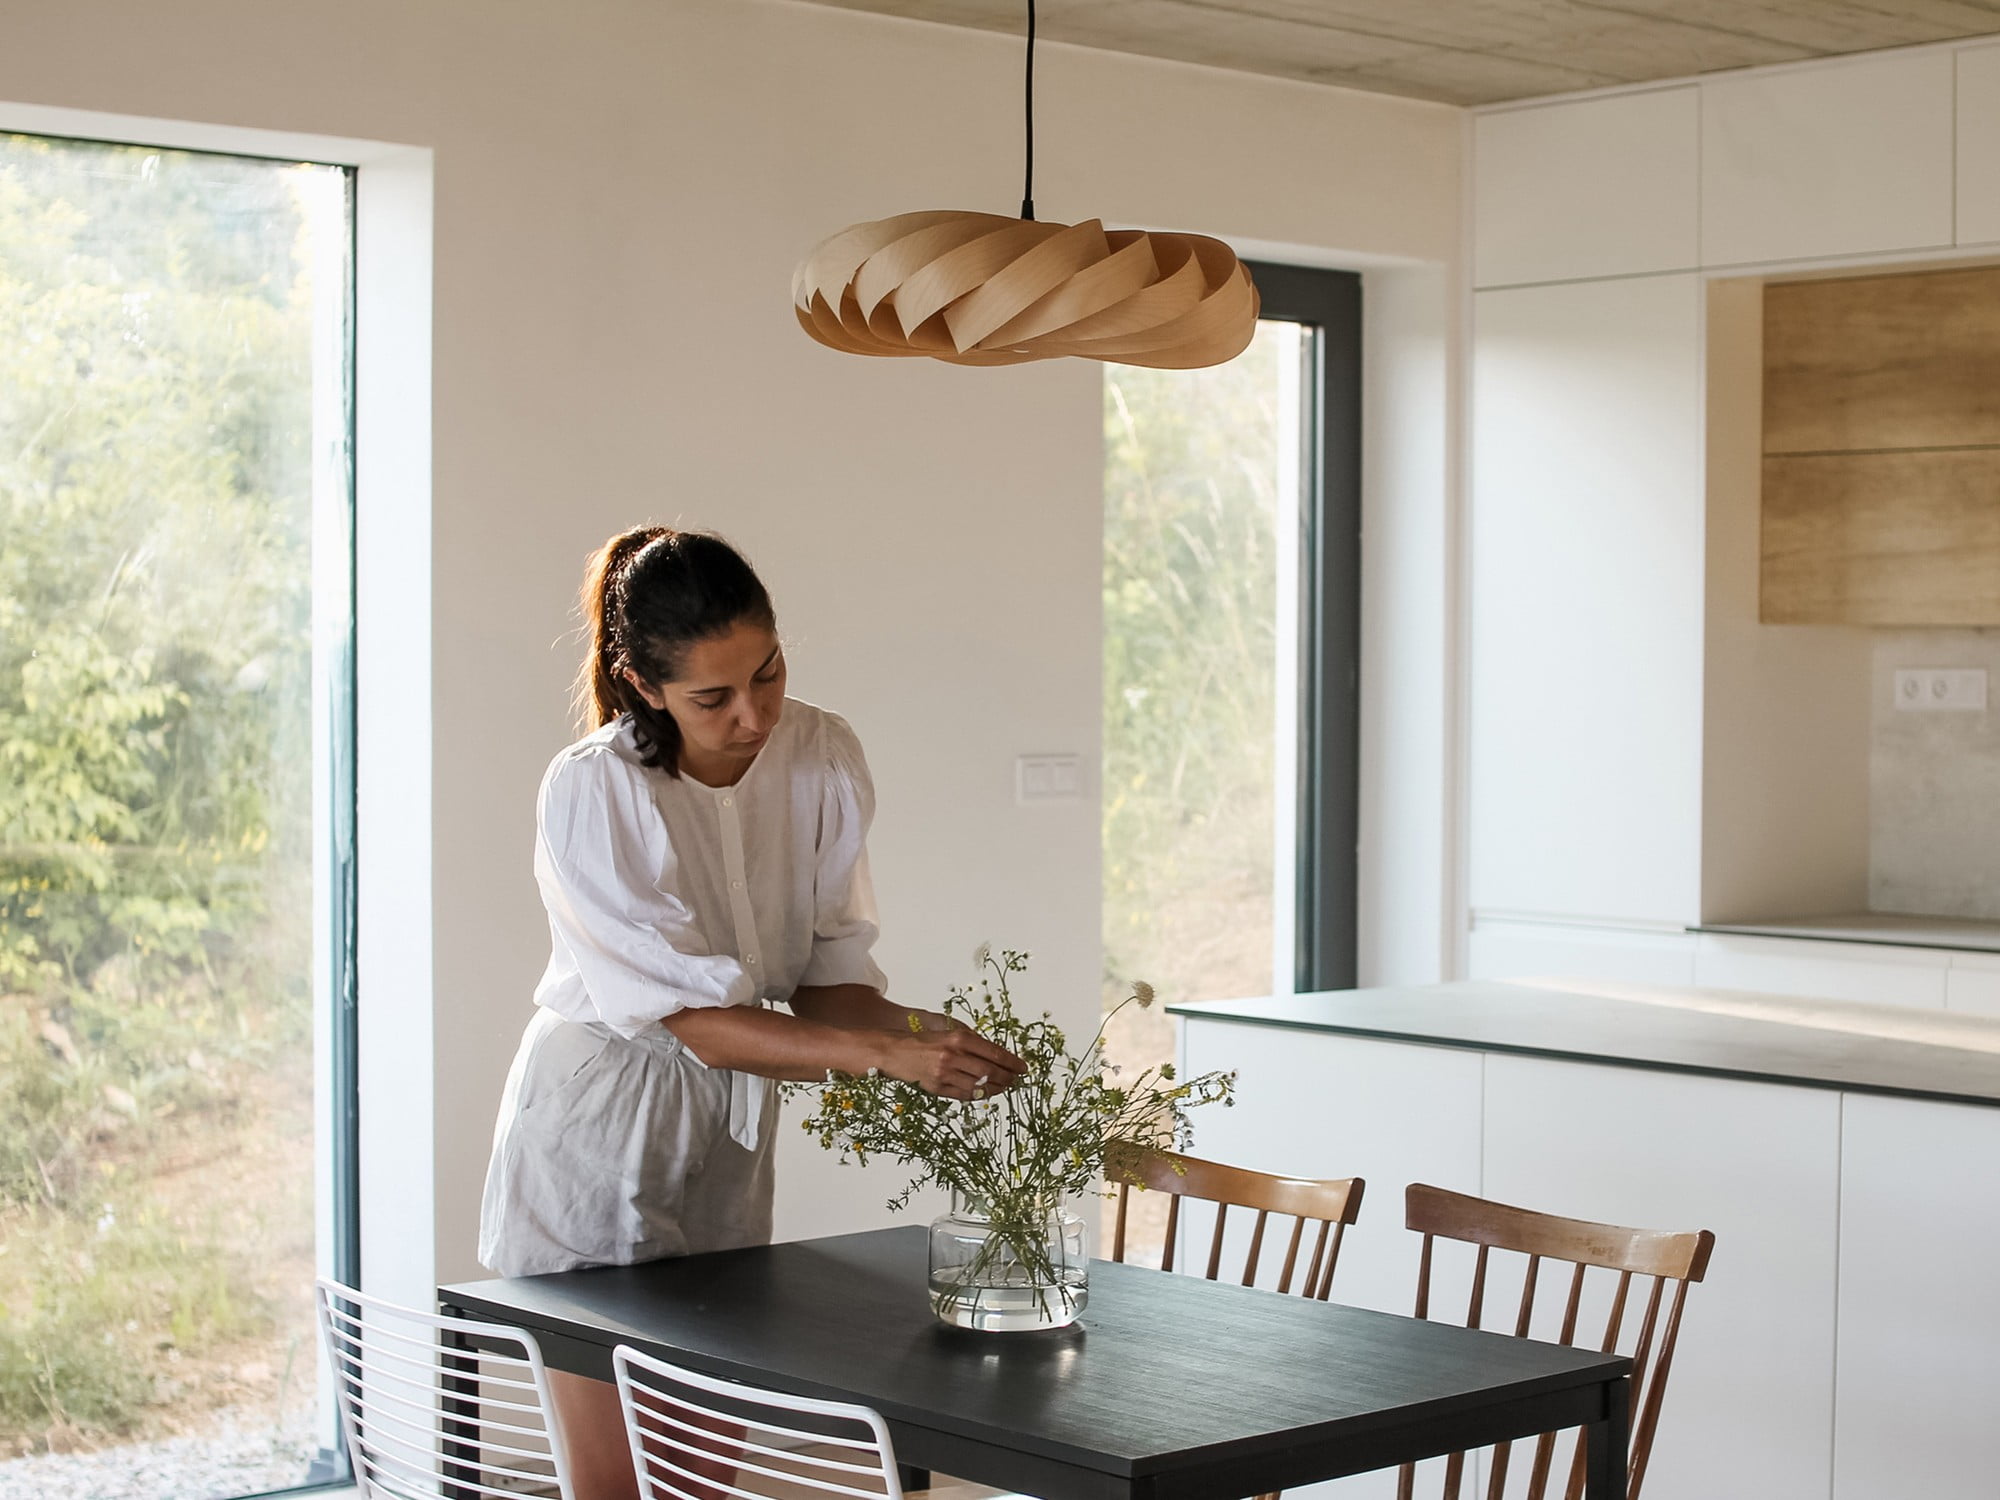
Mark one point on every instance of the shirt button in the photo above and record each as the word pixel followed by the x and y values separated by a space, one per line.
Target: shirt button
pixel 736 885
pixel 749 958
pixel 728 801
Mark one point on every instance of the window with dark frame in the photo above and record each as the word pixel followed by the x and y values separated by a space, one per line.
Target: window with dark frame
pixel 177 820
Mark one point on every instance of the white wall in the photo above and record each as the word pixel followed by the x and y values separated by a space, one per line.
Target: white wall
pixel 622 189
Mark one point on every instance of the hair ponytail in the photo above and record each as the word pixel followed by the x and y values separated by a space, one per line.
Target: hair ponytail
pixel 602 693
pixel 649 594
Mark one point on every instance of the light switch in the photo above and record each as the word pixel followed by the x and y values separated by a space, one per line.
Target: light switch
pixel 1048 778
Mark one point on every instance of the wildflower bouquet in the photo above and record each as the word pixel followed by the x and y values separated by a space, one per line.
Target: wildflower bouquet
pixel 1013 1158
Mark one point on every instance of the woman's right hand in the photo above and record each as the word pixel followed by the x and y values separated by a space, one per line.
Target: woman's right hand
pixel 958 1064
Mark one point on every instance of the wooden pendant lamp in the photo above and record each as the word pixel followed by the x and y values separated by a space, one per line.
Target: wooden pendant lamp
pixel 985 289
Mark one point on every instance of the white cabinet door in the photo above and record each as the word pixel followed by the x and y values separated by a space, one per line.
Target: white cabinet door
pixel 1919 1302
pixel 1501 949
pixel 1875 974
pixel 1972 983
pixel 1749 1410
pixel 1587 587
pixel 1315 1105
pixel 1603 187
pixel 1979 146
pixel 1854 156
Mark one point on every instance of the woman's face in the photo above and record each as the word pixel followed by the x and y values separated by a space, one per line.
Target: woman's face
pixel 726 700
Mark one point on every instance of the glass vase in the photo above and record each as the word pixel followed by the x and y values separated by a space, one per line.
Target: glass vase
pixel 1009 1270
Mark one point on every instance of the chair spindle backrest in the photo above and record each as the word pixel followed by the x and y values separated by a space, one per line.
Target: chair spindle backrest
pixel 426 1413
pixel 1667 1259
pixel 695 1437
pixel 1328 1205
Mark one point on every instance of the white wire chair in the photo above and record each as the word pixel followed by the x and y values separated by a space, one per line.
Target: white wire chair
pixel 695 1437
pixel 427 1417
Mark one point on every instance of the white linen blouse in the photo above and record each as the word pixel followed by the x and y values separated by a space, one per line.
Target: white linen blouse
pixel 666 895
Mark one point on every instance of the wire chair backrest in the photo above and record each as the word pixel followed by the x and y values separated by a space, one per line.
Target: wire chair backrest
pixel 695 1437
pixel 1330 1205
pixel 1668 1260
pixel 427 1415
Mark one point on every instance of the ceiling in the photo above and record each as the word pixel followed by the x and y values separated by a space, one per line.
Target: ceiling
pixel 1471 51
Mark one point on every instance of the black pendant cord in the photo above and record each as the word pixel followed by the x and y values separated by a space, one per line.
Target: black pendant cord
pixel 1028 183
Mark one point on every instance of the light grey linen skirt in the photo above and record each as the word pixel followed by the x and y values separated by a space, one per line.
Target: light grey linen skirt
pixel 610 1151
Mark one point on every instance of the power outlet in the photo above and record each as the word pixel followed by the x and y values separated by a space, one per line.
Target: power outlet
pixel 1932 688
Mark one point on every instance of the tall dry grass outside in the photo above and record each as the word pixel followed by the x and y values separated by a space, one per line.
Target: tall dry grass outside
pixel 1191 509
pixel 157 349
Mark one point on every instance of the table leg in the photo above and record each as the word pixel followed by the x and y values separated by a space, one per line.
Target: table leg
pixel 1610 1446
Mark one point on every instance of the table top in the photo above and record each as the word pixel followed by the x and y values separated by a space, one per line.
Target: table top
pixel 1164 1375
pixel 1906 1051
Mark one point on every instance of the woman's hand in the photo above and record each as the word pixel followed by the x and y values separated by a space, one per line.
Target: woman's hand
pixel 952 1060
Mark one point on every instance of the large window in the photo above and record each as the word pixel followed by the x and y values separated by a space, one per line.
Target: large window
pixel 176 815
pixel 1231 650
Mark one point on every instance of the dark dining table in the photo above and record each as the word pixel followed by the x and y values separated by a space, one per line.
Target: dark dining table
pixel 1168 1387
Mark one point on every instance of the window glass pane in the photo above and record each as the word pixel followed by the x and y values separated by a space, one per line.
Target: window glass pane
pixel 1200 672
pixel 173 431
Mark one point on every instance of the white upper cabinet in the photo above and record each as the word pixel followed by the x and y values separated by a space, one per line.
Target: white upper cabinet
pixel 1979 146
pixel 1586 579
pixel 1844 159
pixel 1603 187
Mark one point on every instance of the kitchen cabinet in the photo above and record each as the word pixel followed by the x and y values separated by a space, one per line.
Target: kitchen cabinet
pixel 1756 1163
pixel 1587 565
pixel 1599 187
pixel 1875 974
pixel 1979 145
pixel 1849 1186
pixel 1847 158
pixel 1919 1344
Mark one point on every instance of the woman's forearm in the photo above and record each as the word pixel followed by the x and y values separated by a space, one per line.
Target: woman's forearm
pixel 749 1039
pixel 954 1061
pixel 849 1005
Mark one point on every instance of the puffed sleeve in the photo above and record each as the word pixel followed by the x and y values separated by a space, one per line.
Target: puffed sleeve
pixel 607 872
pixel 844 920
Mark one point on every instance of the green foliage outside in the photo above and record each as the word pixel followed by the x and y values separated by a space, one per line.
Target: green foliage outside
pixel 155 761
pixel 1190 609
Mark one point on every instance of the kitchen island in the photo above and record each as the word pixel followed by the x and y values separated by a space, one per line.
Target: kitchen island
pixel 1847 1157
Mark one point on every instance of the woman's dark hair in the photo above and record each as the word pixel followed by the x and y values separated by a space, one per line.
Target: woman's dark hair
pixel 648 595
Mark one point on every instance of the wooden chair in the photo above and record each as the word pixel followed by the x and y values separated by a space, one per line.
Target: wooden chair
pixel 425 1415
pixel 695 1437
pixel 1669 1259
pixel 1332 1205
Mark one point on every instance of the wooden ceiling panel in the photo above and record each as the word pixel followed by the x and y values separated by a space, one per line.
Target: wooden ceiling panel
pixel 1471 51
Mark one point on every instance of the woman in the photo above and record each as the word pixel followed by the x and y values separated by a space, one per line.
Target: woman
pixel 701 854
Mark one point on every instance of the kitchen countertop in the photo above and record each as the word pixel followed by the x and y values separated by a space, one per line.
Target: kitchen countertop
pixel 1961 934
pixel 1831 1044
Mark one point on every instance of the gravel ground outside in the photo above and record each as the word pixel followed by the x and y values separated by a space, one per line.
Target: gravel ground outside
pixel 243 1453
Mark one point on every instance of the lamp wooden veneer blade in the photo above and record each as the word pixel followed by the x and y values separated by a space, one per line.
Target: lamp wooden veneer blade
pixel 983 289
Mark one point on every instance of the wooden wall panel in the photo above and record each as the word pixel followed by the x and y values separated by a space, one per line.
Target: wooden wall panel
pixel 1886 538
pixel 1902 361
pixel 1881 447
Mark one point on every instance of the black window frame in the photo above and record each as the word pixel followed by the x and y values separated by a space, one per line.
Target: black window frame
pixel 1327 885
